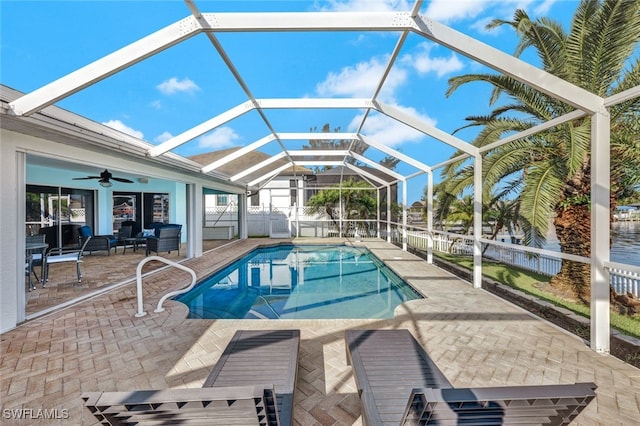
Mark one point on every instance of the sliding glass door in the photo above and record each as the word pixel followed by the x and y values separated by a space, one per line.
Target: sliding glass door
pixel 58 212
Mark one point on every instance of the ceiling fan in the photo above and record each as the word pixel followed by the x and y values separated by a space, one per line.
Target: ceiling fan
pixel 105 178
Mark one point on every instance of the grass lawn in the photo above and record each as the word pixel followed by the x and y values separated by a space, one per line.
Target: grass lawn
pixel 529 282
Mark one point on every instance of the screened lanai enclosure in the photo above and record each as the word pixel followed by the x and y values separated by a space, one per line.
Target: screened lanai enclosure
pixel 306 169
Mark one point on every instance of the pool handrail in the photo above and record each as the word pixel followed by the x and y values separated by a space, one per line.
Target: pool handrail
pixel 141 312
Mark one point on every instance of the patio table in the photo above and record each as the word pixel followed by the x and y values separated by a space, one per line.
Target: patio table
pixel 133 241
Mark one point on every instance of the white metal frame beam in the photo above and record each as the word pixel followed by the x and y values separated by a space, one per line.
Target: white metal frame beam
pixel 257 167
pixel 600 229
pixel 304 21
pixel 377 166
pixel 237 154
pixel 427 129
pixel 201 129
pixel 394 153
pixel 229 63
pixel 105 67
pixel 367 174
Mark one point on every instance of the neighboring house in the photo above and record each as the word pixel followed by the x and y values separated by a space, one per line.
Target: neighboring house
pixel 282 192
pixel 415 214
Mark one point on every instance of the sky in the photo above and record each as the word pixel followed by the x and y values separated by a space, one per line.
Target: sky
pixel 189 83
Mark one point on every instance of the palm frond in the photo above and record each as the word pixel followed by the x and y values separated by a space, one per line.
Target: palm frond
pixel 539 104
pixel 538 199
pixel 610 40
pixel 580 146
pixel 509 159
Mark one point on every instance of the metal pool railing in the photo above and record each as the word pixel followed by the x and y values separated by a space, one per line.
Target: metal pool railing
pixel 141 312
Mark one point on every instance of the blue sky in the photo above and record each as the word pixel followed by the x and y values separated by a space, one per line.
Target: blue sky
pixel 188 84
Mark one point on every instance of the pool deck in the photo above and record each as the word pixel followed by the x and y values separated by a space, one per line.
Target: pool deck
pixel 475 338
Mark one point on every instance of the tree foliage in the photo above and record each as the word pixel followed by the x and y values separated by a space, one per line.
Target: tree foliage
pixel 550 172
pixel 353 199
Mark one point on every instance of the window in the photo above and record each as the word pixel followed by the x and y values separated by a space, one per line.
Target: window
pixel 293 196
pixel 141 208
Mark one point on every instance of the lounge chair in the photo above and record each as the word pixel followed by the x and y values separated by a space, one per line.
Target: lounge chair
pixel 399 384
pixel 252 383
pixel 98 242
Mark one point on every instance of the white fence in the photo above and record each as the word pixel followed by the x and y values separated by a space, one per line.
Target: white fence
pixel 284 222
pixel 624 278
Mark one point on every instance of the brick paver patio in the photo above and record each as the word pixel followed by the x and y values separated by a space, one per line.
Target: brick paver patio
pixel 474 337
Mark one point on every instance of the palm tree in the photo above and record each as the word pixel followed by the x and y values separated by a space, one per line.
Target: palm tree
pixel 354 201
pixel 550 171
pixel 503 214
pixel 460 212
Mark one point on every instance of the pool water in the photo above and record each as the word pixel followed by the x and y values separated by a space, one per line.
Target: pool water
pixel 300 282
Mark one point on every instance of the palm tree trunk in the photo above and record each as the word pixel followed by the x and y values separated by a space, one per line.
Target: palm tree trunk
pixel 494 235
pixel 573 229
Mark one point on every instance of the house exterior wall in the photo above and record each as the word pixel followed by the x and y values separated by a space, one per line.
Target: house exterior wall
pixel 276 193
pixel 12 275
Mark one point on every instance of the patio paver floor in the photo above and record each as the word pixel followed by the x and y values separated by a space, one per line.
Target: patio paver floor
pixel 474 337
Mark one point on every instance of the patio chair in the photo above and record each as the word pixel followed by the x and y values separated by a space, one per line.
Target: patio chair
pixel 252 383
pixel 399 384
pixel 167 239
pixel 125 236
pixel 37 256
pixel 98 242
pixel 59 255
pixel 135 227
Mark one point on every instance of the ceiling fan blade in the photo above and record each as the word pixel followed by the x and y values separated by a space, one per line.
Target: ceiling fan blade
pixel 88 177
pixel 121 180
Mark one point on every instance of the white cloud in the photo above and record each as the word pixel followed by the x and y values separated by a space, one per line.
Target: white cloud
pixel 163 137
pixel 221 137
pixel 119 125
pixel 367 5
pixel 423 62
pixel 390 132
pixel 174 85
pixel 361 80
pixel 544 7
pixel 157 104
pixel 447 11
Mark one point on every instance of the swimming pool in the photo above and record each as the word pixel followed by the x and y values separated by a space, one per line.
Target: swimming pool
pixel 300 282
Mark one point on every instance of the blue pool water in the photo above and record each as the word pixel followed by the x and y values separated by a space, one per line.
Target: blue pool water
pixel 300 282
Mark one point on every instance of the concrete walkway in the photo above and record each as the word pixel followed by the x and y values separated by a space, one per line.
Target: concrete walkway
pixel 474 337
